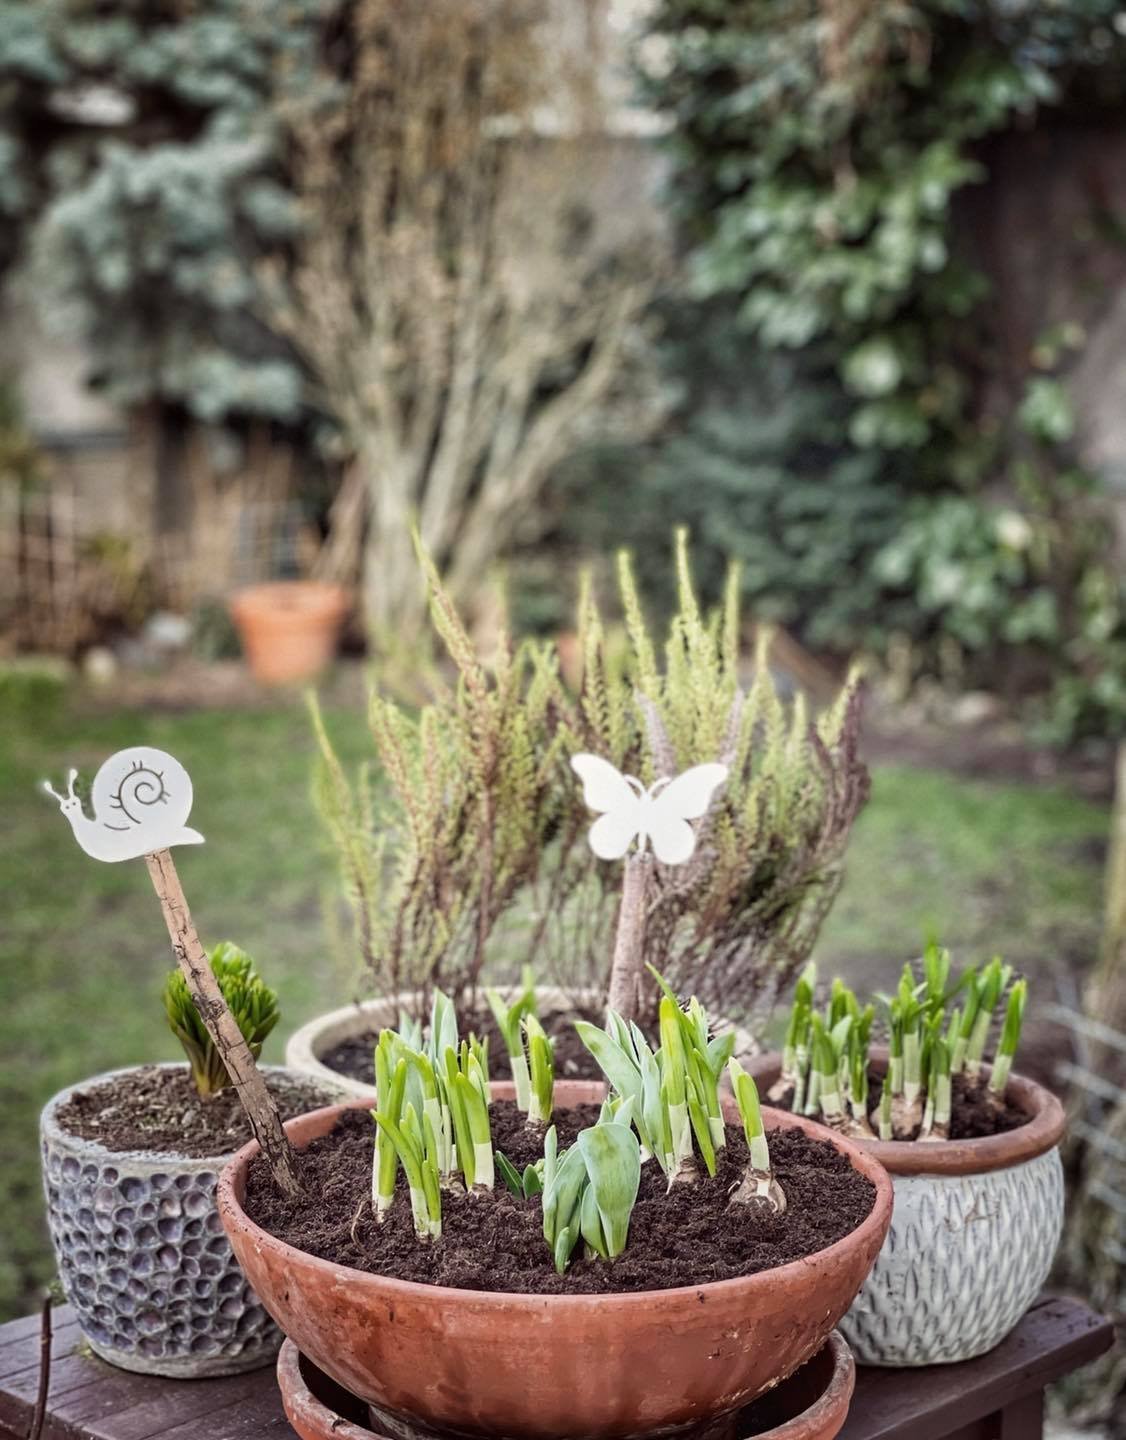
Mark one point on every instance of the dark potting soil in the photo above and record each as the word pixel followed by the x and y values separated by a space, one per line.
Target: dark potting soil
pixel 355 1057
pixel 973 1115
pixel 687 1236
pixel 159 1110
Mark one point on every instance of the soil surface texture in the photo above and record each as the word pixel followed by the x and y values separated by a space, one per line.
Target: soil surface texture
pixel 154 1110
pixel 355 1057
pixel 493 1241
pixel 973 1115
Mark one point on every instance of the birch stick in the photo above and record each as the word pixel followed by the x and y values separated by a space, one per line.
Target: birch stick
pixel 628 966
pixel 221 1026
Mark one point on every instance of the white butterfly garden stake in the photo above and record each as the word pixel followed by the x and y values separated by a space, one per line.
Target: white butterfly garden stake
pixel 658 816
pixel 142 799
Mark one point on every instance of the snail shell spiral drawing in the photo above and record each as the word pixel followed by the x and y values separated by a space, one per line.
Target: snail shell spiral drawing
pixel 141 798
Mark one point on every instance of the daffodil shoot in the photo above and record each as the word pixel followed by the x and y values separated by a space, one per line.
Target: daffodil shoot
pixel 663 1109
pixel 937 1031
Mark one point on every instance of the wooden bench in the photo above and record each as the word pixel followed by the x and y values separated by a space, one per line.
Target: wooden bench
pixel 998 1397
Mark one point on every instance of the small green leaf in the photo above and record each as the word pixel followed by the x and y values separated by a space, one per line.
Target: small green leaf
pixel 565 1242
pixel 615 1062
pixel 612 1159
pixel 509 1174
pixel 590 1224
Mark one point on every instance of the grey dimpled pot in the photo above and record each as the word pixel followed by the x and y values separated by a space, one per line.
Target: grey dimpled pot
pixel 143 1257
pixel 974 1230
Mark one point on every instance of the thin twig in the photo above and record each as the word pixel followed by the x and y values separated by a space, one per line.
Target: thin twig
pixel 221 1025
pixel 40 1412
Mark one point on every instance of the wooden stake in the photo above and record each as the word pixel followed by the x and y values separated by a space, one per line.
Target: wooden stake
pixel 221 1026
pixel 628 966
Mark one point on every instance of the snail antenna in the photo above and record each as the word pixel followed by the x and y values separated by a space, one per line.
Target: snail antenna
pixel 49 789
pixel 71 777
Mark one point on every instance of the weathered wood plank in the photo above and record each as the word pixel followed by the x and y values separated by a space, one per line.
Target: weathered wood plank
pixel 24 1349
pixel 934 1402
pixel 89 1398
pixel 137 1407
pixel 1023 1419
pixel 993 1398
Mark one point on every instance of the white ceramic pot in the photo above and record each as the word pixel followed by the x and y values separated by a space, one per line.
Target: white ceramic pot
pixel 142 1254
pixel 320 1035
pixel 973 1234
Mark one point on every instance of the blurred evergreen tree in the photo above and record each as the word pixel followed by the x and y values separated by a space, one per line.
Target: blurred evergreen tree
pixel 755 461
pixel 137 143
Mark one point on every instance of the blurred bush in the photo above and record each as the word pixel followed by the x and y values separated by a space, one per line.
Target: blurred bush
pixel 140 162
pixel 32 689
pixel 755 460
pixel 818 152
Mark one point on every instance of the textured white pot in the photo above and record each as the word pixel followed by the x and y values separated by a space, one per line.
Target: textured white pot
pixel 143 1257
pixel 321 1034
pixel 973 1234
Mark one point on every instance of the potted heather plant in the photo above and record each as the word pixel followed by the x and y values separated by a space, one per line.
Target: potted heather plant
pixel 130 1161
pixel 973 1149
pixel 451 1224
pixel 476 809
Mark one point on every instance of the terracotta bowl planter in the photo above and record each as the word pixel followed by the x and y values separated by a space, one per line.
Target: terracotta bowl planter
pixel 811 1405
pixel 972 1239
pixel 289 630
pixel 554 1366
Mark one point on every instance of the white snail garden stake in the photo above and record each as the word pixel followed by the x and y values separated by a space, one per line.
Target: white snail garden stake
pixel 142 799
pixel 658 816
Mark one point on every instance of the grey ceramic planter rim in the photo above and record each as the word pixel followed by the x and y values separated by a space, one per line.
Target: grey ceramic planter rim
pixel 304 1047
pixel 1041 1132
pixel 58 1134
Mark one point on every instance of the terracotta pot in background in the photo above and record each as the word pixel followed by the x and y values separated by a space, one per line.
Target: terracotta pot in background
pixel 811 1405
pixel 552 1366
pixel 972 1238
pixel 289 630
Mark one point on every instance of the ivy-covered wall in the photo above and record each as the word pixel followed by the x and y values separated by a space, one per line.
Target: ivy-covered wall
pixel 824 157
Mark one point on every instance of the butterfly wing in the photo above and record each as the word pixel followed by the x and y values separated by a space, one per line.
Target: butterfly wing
pixel 611 836
pixel 669 811
pixel 605 789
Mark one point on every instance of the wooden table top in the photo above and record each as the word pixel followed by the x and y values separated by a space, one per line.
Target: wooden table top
pixel 90 1400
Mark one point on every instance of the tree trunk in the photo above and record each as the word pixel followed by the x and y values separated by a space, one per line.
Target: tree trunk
pixel 1106 999
pixel 394 591
pixel 221 1026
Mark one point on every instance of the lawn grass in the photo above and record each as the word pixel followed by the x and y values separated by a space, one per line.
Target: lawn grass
pixel 83 951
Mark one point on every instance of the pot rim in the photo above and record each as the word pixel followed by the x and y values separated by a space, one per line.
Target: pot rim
pixel 877 1221
pixel 50 1128
pixel 302 1047
pixel 1041 1132
pixel 296 1392
pixel 315 599
pixel 838 1390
